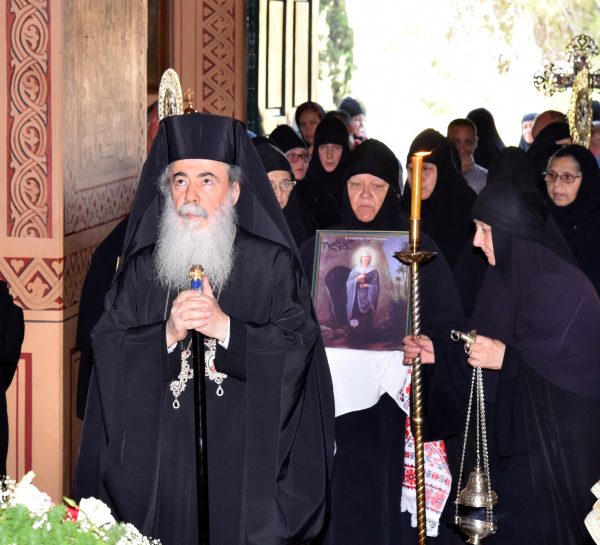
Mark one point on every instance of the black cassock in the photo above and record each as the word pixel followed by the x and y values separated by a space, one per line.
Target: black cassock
pixel 542 406
pixel 269 435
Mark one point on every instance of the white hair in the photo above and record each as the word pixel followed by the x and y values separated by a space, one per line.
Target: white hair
pixel 182 243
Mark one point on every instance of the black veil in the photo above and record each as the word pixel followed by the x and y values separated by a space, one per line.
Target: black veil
pixel 211 137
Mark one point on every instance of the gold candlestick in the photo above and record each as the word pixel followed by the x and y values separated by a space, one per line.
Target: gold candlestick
pixel 414 258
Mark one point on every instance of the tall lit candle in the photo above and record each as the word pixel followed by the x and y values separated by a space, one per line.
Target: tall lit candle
pixel 416 184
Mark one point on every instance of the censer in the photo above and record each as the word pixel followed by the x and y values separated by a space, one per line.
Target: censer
pixel 475 503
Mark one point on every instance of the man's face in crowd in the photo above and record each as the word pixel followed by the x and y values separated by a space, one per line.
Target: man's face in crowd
pixel 203 183
pixel 298 158
pixel 465 141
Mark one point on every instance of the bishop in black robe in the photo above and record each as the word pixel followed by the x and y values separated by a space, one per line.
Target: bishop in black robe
pixel 270 440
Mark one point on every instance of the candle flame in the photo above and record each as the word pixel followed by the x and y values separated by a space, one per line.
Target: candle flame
pixel 422 153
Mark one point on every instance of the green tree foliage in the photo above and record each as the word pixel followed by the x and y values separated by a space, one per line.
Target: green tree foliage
pixel 554 23
pixel 337 57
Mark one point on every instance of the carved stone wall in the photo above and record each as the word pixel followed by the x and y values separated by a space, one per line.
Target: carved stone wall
pixel 28 128
pixel 210 54
pixel 72 119
pixel 104 108
pixel 217 35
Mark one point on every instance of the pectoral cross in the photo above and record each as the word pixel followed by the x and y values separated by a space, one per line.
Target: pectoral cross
pixel 582 80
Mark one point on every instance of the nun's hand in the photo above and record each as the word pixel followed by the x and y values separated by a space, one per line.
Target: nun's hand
pixel 417 346
pixel 487 353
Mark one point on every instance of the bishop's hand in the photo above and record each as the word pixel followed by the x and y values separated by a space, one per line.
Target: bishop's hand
pixel 196 310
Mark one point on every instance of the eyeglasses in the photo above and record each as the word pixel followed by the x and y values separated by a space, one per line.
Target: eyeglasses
pixel 284 185
pixel 294 157
pixel 553 177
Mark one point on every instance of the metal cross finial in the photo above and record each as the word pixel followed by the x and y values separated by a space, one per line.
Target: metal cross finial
pixel 553 78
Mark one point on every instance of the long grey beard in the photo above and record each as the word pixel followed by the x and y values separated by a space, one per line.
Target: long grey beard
pixel 182 243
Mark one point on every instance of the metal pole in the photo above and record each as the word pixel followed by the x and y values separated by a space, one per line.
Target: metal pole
pixel 417 406
pixel 196 276
pixel 201 443
pixel 414 258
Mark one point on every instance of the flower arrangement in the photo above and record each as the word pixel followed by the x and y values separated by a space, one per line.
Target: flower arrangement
pixel 28 517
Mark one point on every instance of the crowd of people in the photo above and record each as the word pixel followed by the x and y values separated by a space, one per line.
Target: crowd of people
pixel 310 445
pixel 515 229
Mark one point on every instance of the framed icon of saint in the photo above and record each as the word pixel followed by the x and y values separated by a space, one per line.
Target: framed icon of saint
pixel 360 290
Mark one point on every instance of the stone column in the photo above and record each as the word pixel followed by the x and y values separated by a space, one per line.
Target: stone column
pixel 72 125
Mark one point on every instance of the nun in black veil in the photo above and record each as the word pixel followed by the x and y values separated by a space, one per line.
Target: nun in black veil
pixel 550 139
pixel 447 198
pixel 575 205
pixel 281 175
pixel 321 189
pixel 368 489
pixel 537 318
pixel 489 144
pixel 446 211
pixel 526 125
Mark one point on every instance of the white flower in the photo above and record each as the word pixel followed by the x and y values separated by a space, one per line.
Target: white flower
pixel 354 322
pixel 95 512
pixel 28 495
pixel 132 536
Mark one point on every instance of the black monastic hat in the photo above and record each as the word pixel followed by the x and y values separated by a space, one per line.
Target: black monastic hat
pixel 272 158
pixel 204 136
pixel 286 138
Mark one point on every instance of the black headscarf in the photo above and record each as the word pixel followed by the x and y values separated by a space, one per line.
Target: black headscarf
pixel 579 221
pixel 217 138
pixel 588 197
pixel 446 214
pixel 513 162
pixel 440 300
pixel 595 110
pixel 299 221
pixel 489 142
pixel 544 146
pixel 352 106
pixel 286 138
pixel 527 117
pixel 517 209
pixel 313 106
pixel 535 299
pixel 321 190
pixel 332 131
pixel 374 157
pixel 273 159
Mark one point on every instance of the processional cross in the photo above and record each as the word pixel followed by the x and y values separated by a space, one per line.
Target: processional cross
pixel 582 80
